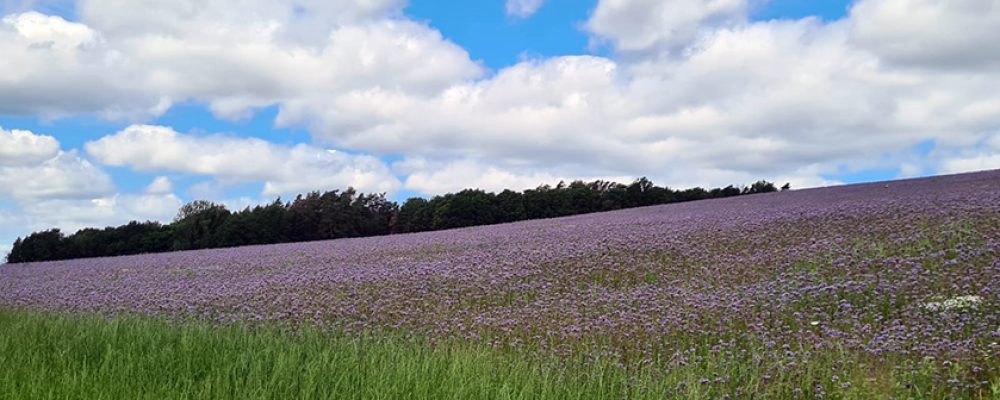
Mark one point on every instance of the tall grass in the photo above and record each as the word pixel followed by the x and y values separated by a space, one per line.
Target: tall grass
pixel 55 357
pixel 45 356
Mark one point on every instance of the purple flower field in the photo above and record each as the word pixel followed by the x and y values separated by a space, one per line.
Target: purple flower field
pixel 908 269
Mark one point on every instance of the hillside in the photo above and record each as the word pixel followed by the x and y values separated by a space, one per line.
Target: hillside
pixel 901 270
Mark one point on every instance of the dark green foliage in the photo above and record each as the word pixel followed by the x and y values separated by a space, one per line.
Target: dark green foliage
pixel 198 225
pixel 414 216
pixel 343 214
pixel 372 215
pixel 642 192
pixel 760 187
pixel 132 238
pixel 510 206
pixel 304 217
pixel 466 208
pixel 44 245
pixel 260 225
pixel 336 214
pixel 542 202
pixel 727 191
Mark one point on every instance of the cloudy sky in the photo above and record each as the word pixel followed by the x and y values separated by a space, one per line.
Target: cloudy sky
pixel 113 110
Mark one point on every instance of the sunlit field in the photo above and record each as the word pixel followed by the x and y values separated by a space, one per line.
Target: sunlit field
pixel 888 290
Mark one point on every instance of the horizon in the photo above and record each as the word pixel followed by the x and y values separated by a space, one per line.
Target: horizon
pixel 112 112
pixel 743 188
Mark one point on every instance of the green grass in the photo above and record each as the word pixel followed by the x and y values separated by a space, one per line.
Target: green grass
pixel 45 356
pixel 56 357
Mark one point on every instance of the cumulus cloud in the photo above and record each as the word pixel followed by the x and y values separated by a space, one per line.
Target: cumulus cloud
pixel 930 33
pixel 10 229
pixel 523 8
pixel 983 157
pixel 692 93
pixel 661 25
pixel 762 99
pixel 595 115
pixel 187 18
pixel 18 147
pixel 65 176
pixel 974 163
pixel 431 177
pixel 160 185
pixel 71 215
pixel 43 187
pixel 134 59
pixel 284 170
pixel 53 68
pixel 531 110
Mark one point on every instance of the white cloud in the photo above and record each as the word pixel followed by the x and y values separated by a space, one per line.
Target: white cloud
pixel 984 157
pixel 599 118
pixel 153 207
pixel 11 226
pixel 438 178
pixel 754 100
pixel 931 33
pixel 52 68
pixel 50 188
pixel 284 170
pixel 65 176
pixel 146 55
pixel 430 177
pixel 160 185
pixel 19 147
pixel 979 162
pixel 910 170
pixel 529 110
pixel 186 18
pixel 69 193
pixel 523 8
pixel 693 93
pixel 661 25
pixel 72 215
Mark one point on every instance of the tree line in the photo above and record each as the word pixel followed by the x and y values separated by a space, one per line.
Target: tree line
pixel 345 214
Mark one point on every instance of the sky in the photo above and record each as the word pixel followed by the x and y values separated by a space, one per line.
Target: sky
pixel 119 110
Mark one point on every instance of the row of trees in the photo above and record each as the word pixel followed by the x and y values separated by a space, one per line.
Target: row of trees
pixel 342 214
pixel 473 207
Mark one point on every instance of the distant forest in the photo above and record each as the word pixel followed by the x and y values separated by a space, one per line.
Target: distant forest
pixel 345 214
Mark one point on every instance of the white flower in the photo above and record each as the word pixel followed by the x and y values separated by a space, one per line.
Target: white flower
pixel 814 323
pixel 957 303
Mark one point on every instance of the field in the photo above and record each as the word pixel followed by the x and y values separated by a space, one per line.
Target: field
pixel 887 290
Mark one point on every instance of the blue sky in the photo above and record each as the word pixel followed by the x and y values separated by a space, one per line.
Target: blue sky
pixel 489 34
pixel 151 105
pixel 499 40
pixel 794 9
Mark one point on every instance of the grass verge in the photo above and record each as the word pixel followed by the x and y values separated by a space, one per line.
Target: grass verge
pixel 45 356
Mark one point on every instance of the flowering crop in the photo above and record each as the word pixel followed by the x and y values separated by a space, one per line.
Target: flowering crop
pixel 852 268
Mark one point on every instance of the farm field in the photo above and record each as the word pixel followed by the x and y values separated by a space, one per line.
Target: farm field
pixel 887 290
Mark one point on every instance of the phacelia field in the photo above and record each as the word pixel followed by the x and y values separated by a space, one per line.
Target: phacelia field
pixel 906 272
